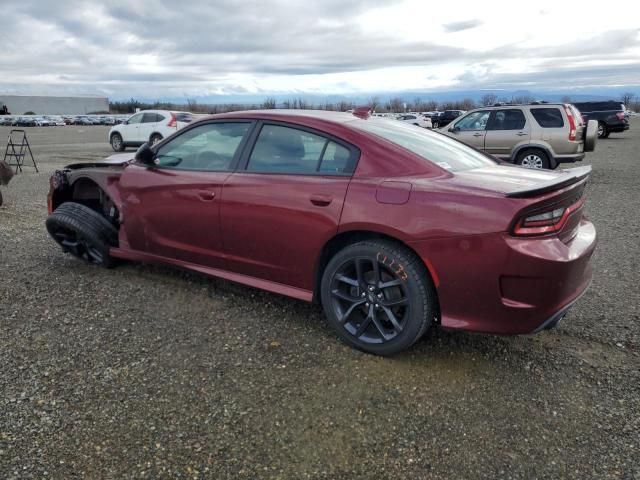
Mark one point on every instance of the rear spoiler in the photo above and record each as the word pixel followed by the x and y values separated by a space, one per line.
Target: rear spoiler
pixel 571 176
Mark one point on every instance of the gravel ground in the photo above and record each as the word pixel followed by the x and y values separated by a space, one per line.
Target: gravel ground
pixel 149 372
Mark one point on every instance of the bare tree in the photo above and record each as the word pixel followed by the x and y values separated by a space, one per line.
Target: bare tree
pixel 373 103
pixel 269 103
pixel 467 104
pixel 431 105
pixel 488 99
pixel 627 98
pixel 396 105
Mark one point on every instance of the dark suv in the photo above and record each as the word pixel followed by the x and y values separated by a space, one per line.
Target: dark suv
pixel 446 117
pixel 610 116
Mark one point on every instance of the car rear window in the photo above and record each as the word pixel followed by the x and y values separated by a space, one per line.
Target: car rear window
pixel 432 146
pixel 548 117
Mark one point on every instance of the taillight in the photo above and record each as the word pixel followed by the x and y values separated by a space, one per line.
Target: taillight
pixel 620 115
pixel 546 222
pixel 572 123
pixel 173 122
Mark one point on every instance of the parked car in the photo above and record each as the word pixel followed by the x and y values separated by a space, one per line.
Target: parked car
pixel 42 122
pixel 24 122
pixel 610 116
pixel 55 120
pixel 446 117
pixel 535 136
pixel 147 126
pixel 6 121
pixel 415 119
pixel 82 120
pixel 391 228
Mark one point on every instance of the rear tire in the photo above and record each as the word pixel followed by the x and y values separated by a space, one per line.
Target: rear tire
pixel 116 142
pixel 603 131
pixel 378 296
pixel 83 232
pixel 533 158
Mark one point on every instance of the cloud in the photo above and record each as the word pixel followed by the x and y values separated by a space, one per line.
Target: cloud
pixel 463 25
pixel 160 48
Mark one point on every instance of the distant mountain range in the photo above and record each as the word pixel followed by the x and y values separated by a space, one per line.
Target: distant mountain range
pixel 577 94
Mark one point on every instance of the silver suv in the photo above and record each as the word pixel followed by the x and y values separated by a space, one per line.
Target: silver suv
pixel 540 135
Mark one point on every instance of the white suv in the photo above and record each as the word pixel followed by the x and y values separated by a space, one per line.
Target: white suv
pixel 147 126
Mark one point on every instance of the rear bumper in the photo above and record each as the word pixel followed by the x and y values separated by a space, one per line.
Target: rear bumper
pixel 508 285
pixel 578 157
pixel 619 128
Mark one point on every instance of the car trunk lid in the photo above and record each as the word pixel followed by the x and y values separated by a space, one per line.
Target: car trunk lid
pixel 518 182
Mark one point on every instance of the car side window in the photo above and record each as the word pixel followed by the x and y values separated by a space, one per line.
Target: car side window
pixel 280 149
pixel 137 118
pixel 512 119
pixel 209 147
pixel 474 121
pixel 336 159
pixel 548 117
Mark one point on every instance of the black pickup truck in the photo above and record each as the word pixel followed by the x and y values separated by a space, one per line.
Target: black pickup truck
pixel 610 116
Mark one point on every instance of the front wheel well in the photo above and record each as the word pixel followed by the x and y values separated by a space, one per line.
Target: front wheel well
pixel 340 241
pixel 87 192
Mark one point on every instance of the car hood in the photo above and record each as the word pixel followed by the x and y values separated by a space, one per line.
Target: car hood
pixel 513 181
pixel 115 160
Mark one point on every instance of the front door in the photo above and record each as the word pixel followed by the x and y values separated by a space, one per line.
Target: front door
pixel 172 210
pixel 131 130
pixel 471 129
pixel 507 128
pixel 285 203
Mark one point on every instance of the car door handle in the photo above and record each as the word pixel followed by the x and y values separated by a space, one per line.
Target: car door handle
pixel 478 134
pixel 320 200
pixel 207 195
pixel 521 134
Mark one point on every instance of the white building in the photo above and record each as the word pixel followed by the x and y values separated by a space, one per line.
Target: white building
pixel 50 105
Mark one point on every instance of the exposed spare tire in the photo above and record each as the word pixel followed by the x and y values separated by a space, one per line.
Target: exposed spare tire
pixel 591 136
pixel 83 232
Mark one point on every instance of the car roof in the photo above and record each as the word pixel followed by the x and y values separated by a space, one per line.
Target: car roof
pixel 283 114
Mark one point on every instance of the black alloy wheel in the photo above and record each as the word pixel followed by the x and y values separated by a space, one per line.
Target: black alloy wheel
pixel 378 296
pixel 83 232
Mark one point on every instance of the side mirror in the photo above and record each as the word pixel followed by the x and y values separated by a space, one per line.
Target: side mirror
pixel 454 129
pixel 145 155
pixel 126 122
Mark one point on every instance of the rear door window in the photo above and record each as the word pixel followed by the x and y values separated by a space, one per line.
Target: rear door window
pixel 152 118
pixel 548 117
pixel 280 149
pixel 511 119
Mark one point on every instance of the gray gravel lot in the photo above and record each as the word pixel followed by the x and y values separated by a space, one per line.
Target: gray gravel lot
pixel 149 372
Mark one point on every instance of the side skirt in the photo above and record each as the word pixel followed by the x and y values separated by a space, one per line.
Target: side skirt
pixel 279 288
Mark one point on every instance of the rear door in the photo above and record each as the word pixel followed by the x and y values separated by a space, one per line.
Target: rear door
pixel 471 129
pixel 285 202
pixel 506 129
pixel 172 210
pixel 149 125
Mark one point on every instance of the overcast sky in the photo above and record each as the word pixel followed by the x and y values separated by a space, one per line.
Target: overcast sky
pixel 177 48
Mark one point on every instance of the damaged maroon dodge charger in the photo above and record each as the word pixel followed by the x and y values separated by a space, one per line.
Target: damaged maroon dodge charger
pixel 390 227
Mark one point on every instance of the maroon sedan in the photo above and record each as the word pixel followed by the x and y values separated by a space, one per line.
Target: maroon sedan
pixel 392 228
